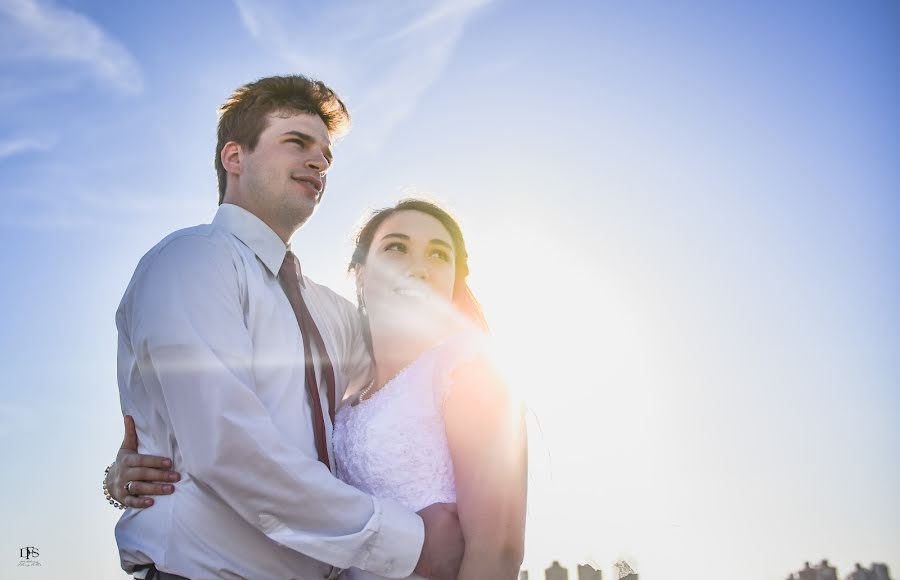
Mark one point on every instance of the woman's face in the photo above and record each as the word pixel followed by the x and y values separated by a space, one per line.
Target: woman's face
pixel 410 270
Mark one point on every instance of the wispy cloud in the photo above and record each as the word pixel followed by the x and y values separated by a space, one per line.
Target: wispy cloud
pixel 38 31
pixel 381 55
pixel 40 207
pixel 10 147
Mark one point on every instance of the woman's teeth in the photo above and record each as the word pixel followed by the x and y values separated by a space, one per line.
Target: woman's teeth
pixel 411 292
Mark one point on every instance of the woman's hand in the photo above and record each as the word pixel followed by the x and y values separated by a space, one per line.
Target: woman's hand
pixel 148 474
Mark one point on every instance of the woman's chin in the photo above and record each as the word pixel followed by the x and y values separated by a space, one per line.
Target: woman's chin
pixel 419 330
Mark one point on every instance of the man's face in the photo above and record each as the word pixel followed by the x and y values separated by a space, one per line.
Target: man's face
pixel 283 178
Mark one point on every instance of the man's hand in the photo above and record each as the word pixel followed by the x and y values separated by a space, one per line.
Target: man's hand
pixel 443 548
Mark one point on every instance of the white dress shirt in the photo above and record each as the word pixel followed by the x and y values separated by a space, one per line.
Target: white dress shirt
pixel 210 364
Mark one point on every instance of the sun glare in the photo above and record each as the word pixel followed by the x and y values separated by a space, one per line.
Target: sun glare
pixel 574 345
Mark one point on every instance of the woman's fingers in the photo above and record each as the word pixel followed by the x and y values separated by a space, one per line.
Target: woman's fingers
pixel 145 482
pixel 128 454
pixel 129 459
pixel 139 488
pixel 130 441
pixel 148 474
pixel 138 502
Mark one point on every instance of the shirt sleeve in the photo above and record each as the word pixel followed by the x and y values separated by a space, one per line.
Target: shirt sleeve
pixel 186 324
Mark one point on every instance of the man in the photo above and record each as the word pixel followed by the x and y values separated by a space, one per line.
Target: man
pixel 214 329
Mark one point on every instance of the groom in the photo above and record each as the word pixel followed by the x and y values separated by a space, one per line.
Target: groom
pixel 232 362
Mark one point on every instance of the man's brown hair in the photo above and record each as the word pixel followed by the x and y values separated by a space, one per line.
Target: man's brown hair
pixel 243 117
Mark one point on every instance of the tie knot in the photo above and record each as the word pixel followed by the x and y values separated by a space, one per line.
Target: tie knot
pixel 290 269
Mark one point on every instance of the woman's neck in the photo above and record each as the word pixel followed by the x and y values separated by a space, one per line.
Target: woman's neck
pixel 393 354
pixel 398 341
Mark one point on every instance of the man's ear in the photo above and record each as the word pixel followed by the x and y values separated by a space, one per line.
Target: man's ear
pixel 231 157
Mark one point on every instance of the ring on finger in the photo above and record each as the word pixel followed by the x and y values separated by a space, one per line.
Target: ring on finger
pixel 128 487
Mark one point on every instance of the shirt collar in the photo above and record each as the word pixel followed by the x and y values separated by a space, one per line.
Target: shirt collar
pixel 254 233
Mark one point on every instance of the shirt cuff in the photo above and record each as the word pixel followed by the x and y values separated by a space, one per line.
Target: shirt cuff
pixel 396 548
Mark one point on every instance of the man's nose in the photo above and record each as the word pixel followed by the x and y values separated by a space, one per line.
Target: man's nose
pixel 318 162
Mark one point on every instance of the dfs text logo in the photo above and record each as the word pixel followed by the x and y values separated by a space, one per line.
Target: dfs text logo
pixel 29 556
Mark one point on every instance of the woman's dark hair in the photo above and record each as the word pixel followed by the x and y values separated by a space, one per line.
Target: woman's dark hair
pixel 463 299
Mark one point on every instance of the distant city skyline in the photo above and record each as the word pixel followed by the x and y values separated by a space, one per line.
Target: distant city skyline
pixel 825 571
pixel 622 570
pixel 557 571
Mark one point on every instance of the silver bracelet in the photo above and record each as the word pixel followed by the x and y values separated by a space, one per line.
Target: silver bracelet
pixel 110 498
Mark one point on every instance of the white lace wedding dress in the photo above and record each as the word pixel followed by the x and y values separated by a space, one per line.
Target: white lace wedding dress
pixel 394 443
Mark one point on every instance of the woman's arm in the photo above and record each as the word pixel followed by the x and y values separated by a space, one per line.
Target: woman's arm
pixel 486 434
pixel 147 472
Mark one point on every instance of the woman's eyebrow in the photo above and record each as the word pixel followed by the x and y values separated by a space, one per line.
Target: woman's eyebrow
pixel 435 241
pixel 440 242
pixel 401 236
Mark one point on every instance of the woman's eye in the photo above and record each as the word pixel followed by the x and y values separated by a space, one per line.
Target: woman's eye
pixel 441 254
pixel 395 247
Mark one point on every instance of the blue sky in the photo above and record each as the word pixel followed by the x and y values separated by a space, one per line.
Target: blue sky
pixel 682 221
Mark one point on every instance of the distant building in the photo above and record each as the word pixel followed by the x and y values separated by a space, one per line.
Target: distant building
pixel 556 572
pixel 881 572
pixel 822 571
pixel 587 572
pixel 826 572
pixel 859 573
pixel 878 572
pixel 807 573
pixel 625 571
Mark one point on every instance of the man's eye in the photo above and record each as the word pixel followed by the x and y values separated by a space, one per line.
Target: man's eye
pixel 298 142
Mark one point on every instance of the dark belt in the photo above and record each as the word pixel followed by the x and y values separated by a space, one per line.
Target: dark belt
pixel 154 574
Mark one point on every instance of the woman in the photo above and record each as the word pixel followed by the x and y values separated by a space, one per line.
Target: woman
pixel 436 424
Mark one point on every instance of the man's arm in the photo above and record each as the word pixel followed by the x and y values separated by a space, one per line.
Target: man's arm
pixel 186 327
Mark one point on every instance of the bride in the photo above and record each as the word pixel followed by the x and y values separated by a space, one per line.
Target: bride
pixel 436 423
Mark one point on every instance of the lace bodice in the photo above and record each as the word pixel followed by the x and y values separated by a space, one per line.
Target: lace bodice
pixel 394 444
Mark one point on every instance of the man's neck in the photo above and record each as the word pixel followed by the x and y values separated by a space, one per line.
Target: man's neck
pixel 283 232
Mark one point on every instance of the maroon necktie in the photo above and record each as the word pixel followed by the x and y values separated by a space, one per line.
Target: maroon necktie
pixel 291 281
